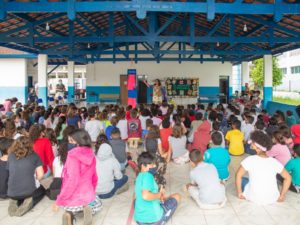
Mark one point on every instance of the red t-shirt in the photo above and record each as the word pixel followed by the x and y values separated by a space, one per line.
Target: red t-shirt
pixel 43 148
pixel 165 133
pixel 128 115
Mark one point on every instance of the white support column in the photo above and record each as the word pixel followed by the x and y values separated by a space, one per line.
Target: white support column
pixel 268 79
pixel 42 78
pixel 245 76
pixel 71 88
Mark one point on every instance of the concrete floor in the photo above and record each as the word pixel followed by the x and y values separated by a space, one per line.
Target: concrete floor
pixel 116 211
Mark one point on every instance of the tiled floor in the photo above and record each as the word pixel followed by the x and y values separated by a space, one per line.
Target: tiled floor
pixel 116 210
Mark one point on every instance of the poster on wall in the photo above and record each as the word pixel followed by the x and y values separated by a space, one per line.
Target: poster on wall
pixel 182 87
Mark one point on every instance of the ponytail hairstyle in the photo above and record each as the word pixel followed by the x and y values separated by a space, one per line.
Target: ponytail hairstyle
pixel 278 137
pixel 101 139
pixel 58 128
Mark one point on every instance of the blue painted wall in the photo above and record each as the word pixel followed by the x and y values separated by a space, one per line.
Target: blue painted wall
pixel 273 106
pixel 71 92
pixel 100 90
pixel 19 92
pixel 43 94
pixel 268 95
pixel 209 91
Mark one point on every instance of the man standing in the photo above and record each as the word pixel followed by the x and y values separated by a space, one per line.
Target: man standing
pixel 60 90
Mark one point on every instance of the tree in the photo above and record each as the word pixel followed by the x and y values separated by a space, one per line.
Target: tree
pixel 257 73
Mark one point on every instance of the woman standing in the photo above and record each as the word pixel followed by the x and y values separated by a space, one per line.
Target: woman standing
pixel 157 92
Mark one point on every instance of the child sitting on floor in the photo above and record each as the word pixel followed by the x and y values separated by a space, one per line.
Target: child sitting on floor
pixel 279 150
pixel 111 181
pixel 5 143
pixel 165 133
pixel 151 205
pixel 114 122
pixel 293 167
pixel 290 118
pixel 235 139
pixel 24 167
pixel 177 146
pixel 218 156
pixel 134 129
pixel 118 148
pixel 208 193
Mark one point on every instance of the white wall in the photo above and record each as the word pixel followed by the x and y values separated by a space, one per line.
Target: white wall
pixel 107 74
pixel 13 76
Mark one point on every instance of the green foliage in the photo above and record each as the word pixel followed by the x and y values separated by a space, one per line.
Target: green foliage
pixel 257 73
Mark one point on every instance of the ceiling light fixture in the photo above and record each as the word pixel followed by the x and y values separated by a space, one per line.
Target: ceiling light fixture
pixel 245 28
pixel 88 46
pixel 47 26
pixel 218 44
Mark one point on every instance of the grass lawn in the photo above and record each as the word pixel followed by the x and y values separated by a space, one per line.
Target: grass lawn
pixel 288 101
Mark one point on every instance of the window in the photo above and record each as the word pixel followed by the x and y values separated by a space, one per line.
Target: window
pixel 283 70
pixel 295 69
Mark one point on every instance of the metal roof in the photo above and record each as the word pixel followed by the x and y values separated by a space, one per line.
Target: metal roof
pixel 147 30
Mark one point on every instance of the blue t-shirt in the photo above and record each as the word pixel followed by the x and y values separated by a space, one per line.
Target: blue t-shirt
pixel 73 121
pixel 220 158
pixel 108 131
pixel 146 211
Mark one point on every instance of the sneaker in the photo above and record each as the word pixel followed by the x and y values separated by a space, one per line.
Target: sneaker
pixel 124 188
pixel 87 215
pixel 25 207
pixel 12 208
pixel 68 218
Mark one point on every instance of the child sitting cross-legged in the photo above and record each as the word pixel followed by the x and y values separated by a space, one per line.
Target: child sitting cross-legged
pixel 25 168
pixel 118 148
pixel 205 187
pixel 111 181
pixel 293 167
pixel 218 156
pixel 5 143
pixel 151 205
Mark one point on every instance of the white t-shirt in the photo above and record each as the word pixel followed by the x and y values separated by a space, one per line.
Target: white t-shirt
pixel 93 127
pixel 143 121
pixel 211 191
pixel 122 125
pixel 247 129
pixel 57 166
pixel 156 121
pixel 262 187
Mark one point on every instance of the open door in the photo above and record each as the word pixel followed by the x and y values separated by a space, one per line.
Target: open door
pixel 224 89
pixel 142 92
pixel 123 89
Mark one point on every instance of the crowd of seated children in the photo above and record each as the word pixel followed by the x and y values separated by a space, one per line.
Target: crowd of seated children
pixel 170 135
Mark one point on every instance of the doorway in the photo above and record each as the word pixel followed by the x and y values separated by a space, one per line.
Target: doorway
pixel 224 89
pixel 142 92
pixel 123 90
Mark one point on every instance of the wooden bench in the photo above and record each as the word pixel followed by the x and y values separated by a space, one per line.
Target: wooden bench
pixel 109 98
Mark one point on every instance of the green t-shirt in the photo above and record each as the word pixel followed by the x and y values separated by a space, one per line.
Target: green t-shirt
pixel 146 211
pixel 60 137
pixel 293 167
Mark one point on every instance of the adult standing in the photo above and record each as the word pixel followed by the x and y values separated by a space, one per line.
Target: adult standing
pixel 157 92
pixel 60 90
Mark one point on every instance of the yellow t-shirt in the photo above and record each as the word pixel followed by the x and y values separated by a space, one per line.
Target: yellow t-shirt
pixel 236 142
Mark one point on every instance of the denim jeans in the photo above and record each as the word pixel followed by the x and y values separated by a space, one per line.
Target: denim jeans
pixel 118 184
pixel 169 207
pixel 245 181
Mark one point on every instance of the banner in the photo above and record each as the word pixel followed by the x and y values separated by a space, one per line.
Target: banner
pixel 182 87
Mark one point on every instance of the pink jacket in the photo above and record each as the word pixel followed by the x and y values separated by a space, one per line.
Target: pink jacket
pixel 202 137
pixel 79 178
